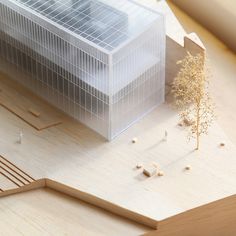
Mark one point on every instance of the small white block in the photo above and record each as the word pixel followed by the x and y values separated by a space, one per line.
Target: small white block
pixel 134 140
pixel 150 170
pixel 160 173
pixel 188 167
pixel 139 166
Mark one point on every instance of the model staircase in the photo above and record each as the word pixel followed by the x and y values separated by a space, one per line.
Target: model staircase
pixel 12 177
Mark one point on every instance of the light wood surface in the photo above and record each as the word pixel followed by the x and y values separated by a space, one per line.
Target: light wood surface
pixel 77 194
pixel 11 176
pixel 47 212
pixel 75 156
pixel 218 218
pixel 214 219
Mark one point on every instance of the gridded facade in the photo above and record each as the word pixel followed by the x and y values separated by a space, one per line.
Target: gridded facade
pixel 100 61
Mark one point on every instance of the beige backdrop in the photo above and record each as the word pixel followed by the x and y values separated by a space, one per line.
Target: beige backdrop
pixel 216 15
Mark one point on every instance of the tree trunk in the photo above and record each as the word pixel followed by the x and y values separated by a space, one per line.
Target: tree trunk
pixel 197 126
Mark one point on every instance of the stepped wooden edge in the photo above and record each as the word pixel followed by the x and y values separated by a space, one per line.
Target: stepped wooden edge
pixel 216 218
pixel 16 171
pixel 83 196
pixel 200 217
pixel 34 185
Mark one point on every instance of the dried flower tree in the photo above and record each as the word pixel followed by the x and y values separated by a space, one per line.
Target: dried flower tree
pixel 191 94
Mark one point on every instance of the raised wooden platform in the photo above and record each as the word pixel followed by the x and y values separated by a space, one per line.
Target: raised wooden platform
pixel 38 115
pixel 75 156
pixel 47 212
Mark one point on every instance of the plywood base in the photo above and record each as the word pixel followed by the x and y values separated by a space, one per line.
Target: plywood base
pixel 214 219
pixel 75 156
pixel 31 111
pixel 76 193
pixel 47 212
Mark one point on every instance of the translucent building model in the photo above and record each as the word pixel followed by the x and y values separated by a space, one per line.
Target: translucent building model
pixel 100 61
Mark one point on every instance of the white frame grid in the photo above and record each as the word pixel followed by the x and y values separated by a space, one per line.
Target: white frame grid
pixel 105 86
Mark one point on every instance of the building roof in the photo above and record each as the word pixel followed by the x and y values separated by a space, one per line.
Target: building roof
pixel 106 23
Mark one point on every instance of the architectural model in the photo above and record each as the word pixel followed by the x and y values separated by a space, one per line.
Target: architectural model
pixel 100 61
pixel 105 64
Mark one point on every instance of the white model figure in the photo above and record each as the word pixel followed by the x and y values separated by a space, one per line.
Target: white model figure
pixel 20 137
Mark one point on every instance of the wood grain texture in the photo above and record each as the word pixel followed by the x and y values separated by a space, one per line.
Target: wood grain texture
pixel 96 201
pixel 47 212
pixel 217 218
pixel 11 166
pixel 82 196
pixel 75 156
pixel 214 219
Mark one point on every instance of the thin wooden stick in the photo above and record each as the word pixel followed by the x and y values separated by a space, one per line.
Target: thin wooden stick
pixel 10 179
pixel 12 175
pixel 14 171
pixel 17 167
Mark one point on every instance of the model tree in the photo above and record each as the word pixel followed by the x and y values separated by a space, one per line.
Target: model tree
pixel 191 94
